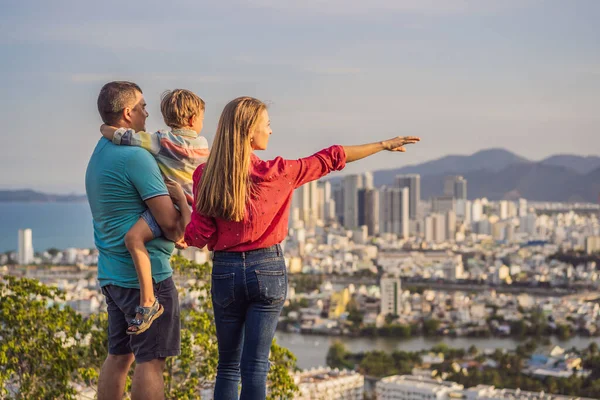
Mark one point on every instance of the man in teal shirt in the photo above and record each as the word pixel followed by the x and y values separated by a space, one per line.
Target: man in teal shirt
pixel 121 183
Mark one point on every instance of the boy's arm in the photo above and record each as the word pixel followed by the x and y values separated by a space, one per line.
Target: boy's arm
pixel 178 196
pixel 129 137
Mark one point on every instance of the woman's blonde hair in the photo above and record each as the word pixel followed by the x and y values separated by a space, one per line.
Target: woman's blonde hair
pixel 225 187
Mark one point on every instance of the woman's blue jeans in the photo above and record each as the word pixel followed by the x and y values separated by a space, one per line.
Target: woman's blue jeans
pixel 248 292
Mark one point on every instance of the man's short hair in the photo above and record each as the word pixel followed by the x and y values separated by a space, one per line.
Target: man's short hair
pixel 114 97
pixel 178 106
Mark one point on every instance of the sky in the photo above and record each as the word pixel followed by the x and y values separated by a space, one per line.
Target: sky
pixel 464 75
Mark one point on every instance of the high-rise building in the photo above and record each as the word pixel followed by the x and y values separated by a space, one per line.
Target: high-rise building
pixel 435 228
pixel 368 206
pixel 442 204
pixel 395 211
pixel 522 207
pixel 455 186
pixel 368 180
pixel 351 183
pixel 450 225
pixel 413 183
pixel 463 209
pixel 460 188
pixel 25 255
pixel 503 209
pixel 307 201
pixel 338 198
pixel 476 210
pixel 391 295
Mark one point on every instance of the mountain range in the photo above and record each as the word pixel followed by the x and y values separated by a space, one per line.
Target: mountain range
pixel 500 174
pixel 28 195
pixel 493 173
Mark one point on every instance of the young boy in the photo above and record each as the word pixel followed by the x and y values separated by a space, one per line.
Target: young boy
pixel 177 153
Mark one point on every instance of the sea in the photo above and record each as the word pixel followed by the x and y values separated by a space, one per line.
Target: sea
pixel 53 225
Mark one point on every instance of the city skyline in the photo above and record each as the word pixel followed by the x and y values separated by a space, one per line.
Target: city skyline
pixel 462 75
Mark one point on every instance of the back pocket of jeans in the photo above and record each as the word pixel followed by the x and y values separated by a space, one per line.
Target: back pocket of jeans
pixel 222 289
pixel 271 285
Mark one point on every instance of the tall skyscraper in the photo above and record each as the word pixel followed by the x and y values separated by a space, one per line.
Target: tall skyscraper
pixel 442 204
pixel 351 183
pixel 307 201
pixel 463 210
pixel 476 210
pixel 503 209
pixel 435 228
pixel 394 211
pixel 413 183
pixel 368 209
pixel 25 255
pixel 450 225
pixel 326 202
pixel 455 186
pixel 522 207
pixel 338 198
pixel 391 295
pixel 368 180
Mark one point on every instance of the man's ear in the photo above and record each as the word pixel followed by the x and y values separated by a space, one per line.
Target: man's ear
pixel 126 114
pixel 192 120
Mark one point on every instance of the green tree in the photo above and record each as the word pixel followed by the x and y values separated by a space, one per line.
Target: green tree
pixel 43 348
pixel 389 318
pixel 354 314
pixel 337 356
pixel 379 364
pixel 430 327
pixel 46 347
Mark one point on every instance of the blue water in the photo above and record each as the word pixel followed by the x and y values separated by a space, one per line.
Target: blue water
pixel 59 225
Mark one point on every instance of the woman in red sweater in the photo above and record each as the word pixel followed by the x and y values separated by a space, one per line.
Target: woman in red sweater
pixel 241 212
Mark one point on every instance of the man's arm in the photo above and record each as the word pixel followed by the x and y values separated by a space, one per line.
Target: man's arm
pixel 143 172
pixel 171 222
pixel 129 137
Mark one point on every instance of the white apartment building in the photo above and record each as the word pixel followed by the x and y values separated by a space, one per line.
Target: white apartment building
pixel 410 387
pixel 329 384
pixel 25 256
pixel 484 392
pixel 391 295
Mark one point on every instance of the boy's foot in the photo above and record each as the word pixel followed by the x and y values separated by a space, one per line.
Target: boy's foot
pixel 144 318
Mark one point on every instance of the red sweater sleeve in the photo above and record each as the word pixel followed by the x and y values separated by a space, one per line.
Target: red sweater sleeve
pixel 316 166
pixel 201 230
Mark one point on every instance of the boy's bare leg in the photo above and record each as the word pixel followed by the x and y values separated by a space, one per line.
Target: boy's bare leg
pixel 135 241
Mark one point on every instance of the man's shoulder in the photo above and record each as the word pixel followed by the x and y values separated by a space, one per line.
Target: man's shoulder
pixel 108 148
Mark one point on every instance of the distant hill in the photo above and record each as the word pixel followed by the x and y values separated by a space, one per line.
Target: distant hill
pixel 27 195
pixel 583 165
pixel 500 174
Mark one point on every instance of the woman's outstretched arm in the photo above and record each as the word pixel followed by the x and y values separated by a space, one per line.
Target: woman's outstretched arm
pixel 354 153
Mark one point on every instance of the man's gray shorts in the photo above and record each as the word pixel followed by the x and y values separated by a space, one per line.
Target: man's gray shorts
pixel 161 340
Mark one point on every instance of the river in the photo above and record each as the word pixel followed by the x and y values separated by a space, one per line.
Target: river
pixel 311 350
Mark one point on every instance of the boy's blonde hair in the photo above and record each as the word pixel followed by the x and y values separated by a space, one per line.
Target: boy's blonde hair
pixel 178 106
